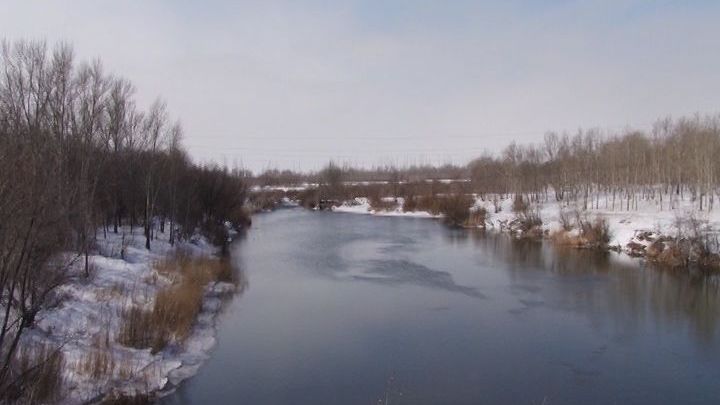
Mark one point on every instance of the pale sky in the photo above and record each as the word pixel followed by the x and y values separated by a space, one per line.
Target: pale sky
pixel 292 84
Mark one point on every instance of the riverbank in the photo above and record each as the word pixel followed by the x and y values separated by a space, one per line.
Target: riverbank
pixel 89 324
pixel 646 230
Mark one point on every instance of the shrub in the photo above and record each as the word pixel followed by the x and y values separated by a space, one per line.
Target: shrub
pixel 265 200
pixel 456 209
pixel 309 198
pixel 378 203
pixel 694 243
pixel 596 233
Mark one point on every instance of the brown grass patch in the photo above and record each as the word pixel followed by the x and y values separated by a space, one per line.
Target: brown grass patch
pixel 176 307
pixel 99 362
pixel 124 399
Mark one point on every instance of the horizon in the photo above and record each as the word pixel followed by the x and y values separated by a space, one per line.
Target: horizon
pixel 293 86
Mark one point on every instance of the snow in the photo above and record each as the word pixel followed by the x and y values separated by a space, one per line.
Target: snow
pixel 300 187
pixel 448 181
pixel 624 224
pixel 361 205
pixel 90 315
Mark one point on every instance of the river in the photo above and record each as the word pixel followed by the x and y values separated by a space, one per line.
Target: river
pixel 353 309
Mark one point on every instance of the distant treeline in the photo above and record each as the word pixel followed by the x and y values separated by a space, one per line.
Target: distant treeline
pixel 78 157
pixel 388 173
pixel 677 159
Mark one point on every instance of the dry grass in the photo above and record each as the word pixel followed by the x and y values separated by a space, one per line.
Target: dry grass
pixel 593 234
pixel 176 307
pixel 597 232
pixel 36 377
pixel 477 218
pixel 123 399
pixel 695 244
pixel 381 204
pixel 99 363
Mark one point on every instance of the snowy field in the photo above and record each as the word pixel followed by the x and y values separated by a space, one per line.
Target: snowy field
pixel 88 320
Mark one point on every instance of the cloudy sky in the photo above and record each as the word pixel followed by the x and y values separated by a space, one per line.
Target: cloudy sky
pixel 293 84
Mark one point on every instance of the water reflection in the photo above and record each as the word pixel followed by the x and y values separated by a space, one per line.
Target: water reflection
pixel 609 285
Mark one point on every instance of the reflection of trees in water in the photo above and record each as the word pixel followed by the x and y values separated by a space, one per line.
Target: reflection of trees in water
pixel 608 291
pixel 240 279
pixel 525 254
pixel 458 235
pixel 677 295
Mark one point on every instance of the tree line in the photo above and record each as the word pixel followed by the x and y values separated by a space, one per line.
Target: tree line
pixel 78 159
pixel 677 160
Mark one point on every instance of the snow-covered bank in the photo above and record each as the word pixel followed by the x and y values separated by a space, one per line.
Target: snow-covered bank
pixel 88 320
pixel 362 205
pixel 626 226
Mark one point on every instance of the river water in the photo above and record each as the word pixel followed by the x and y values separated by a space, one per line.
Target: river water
pixel 354 309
